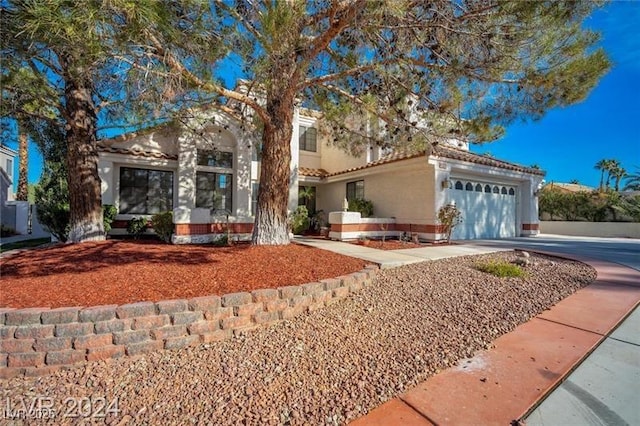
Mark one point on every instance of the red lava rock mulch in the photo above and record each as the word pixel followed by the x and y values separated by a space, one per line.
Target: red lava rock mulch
pixel 119 272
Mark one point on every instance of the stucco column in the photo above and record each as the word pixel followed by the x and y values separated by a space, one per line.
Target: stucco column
pixel 186 175
pixel 295 161
pixel 243 177
pixel 529 222
pixel 107 181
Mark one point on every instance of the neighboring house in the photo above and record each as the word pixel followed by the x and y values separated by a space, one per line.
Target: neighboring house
pixel 203 176
pixel 7 160
pixel 568 187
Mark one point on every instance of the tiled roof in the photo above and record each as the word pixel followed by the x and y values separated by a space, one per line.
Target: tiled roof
pixel 458 154
pixel 304 171
pixel 391 158
pixel 136 152
pixel 447 152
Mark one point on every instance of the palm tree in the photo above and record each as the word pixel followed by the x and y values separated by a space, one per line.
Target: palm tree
pixel 632 181
pixel 618 173
pixel 611 166
pixel 602 166
pixel 23 151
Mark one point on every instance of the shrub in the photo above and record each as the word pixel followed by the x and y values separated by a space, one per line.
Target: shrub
pixel 299 220
pixel 109 213
pixel 163 225
pixel 450 217
pixel 365 207
pixel 52 204
pixel 501 269
pixel 7 231
pixel 137 226
pixel 221 241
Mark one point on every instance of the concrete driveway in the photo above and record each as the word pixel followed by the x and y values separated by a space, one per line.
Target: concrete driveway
pixel 604 388
pixel 625 251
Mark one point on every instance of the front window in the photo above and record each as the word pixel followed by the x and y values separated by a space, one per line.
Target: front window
pixel 9 169
pixel 255 187
pixel 214 190
pixel 144 191
pixel 222 159
pixel 308 139
pixel 355 190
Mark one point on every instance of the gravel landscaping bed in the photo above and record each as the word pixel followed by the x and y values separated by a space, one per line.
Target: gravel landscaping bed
pixel 328 367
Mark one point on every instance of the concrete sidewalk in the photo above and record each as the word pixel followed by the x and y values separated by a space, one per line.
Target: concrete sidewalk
pixel 393 258
pixel 528 375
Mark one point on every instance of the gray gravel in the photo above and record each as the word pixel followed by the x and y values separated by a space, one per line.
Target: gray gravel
pixel 328 367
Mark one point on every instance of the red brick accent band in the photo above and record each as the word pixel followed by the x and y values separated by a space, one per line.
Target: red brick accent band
pixel 402 227
pixel 212 228
pixel 37 341
pixel 530 226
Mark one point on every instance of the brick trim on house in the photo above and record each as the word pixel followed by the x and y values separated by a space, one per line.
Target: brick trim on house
pixel 212 228
pixel 530 226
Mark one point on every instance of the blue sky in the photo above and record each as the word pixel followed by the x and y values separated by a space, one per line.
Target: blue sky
pixel 568 142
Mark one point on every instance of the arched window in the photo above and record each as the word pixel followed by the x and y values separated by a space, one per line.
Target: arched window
pixel 468 186
pixel 496 190
pixel 503 191
pixel 458 185
pixel 487 189
pixel 478 187
pixel 512 191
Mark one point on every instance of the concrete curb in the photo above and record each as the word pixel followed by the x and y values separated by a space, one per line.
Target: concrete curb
pixel 526 364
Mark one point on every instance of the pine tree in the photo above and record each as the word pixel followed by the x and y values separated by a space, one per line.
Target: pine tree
pixel 412 71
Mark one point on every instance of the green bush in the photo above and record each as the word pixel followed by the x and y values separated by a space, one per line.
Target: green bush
pixel 109 213
pixel 299 220
pixel 501 269
pixel 365 207
pixel 221 241
pixel 450 217
pixel 7 231
pixel 52 203
pixel 137 226
pixel 163 225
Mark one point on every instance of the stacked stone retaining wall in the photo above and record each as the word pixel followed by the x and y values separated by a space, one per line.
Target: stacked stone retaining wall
pixel 37 341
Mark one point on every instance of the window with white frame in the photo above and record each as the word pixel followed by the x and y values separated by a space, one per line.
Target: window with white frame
pixel 214 190
pixel 308 139
pixel 145 191
pixel 214 180
pixel 255 187
pixel 210 158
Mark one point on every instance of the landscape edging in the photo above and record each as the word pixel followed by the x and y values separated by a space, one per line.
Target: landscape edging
pixel 37 341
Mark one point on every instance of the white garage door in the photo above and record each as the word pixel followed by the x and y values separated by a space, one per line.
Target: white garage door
pixel 488 210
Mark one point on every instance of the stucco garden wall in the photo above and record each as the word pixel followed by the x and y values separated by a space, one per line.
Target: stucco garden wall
pixel 37 341
pixel 591 229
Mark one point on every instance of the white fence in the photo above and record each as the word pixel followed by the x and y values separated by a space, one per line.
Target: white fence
pixel 592 229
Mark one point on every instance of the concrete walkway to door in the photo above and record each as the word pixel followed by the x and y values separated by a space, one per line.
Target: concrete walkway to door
pixel 393 258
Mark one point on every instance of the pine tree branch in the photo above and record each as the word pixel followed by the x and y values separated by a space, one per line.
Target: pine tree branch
pixel 169 59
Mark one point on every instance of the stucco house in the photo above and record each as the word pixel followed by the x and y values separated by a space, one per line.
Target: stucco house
pixel 205 175
pixel 7 161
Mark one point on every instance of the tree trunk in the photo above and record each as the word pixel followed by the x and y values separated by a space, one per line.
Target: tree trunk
pixel 85 198
pixel 271 224
pixel 23 151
